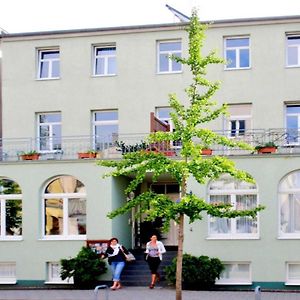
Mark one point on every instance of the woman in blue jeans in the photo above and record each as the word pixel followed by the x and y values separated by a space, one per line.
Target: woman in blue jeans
pixel 116 254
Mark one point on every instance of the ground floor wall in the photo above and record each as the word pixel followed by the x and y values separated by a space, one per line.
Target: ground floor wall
pixel 32 252
pixel 268 255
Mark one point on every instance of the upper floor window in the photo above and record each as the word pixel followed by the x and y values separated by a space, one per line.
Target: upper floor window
pixel 242 196
pixel 237 52
pixel 49 131
pixel 49 64
pixel 10 209
pixel 239 120
pixel 292 123
pixel 289 205
pixel 165 50
pixel 105 127
pixel 64 203
pixel 293 51
pixel 105 60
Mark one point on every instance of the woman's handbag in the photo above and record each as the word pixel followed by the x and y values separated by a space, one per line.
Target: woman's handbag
pixel 129 257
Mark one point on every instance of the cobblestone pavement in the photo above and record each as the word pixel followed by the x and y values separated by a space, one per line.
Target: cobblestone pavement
pixel 139 293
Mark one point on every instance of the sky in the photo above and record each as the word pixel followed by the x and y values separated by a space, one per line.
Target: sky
pixel 40 15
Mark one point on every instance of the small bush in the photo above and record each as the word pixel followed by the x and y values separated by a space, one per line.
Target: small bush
pixel 85 268
pixel 197 272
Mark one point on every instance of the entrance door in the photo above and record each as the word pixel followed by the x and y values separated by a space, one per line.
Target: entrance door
pixel 172 191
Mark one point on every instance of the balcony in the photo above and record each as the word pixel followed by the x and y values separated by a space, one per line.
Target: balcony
pixel 108 147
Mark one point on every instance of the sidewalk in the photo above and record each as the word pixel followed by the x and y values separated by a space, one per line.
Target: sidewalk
pixel 139 293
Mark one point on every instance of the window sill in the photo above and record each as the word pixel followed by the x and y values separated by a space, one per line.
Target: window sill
pixel 295 237
pixel 169 73
pixel 293 67
pixel 8 282
pixel 46 79
pixel 63 238
pixel 233 238
pixel 236 69
pixel 292 283
pixel 103 75
pixel 58 282
pixel 11 239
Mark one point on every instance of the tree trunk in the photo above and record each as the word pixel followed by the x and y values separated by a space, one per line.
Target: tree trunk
pixel 179 258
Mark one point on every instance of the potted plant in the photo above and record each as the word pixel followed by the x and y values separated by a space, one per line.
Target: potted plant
pixel 30 155
pixel 85 268
pixel 206 151
pixel 87 154
pixel 268 147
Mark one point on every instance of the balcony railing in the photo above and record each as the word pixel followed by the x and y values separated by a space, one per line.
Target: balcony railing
pixel 111 147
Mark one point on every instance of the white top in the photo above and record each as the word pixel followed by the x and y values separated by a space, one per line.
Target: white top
pixel 160 247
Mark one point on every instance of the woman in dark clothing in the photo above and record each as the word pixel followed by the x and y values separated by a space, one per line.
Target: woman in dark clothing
pixel 116 254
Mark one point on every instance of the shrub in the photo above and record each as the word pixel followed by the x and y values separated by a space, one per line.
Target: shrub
pixel 85 268
pixel 197 272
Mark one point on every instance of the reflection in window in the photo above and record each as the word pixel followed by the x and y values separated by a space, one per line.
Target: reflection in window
pixel 289 205
pixel 165 50
pixel 237 53
pixel 49 125
pixel 106 127
pixel 10 209
pixel 293 51
pixel 49 64
pixel 242 196
pixel 65 207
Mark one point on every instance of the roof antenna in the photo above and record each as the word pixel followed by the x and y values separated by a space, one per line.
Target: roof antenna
pixel 182 17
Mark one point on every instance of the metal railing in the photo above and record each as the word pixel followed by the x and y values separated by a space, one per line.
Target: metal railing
pixel 112 147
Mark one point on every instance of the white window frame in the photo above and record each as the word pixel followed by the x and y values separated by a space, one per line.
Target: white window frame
pixel 288 280
pixel 290 191
pixel 168 53
pixel 106 60
pixel 232 193
pixel 237 52
pixel 235 281
pixel 3 198
pixel 8 273
pixel 53 274
pixel 103 123
pixel 294 46
pixel 50 61
pixel 51 137
pixel 65 235
pixel 297 140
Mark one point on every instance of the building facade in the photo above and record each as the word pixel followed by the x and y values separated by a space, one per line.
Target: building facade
pixel 67 92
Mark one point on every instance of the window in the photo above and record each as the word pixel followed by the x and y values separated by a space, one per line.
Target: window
pixel 10 209
pixel 235 273
pixel 105 127
pixel 237 53
pixel 165 63
pixel 49 64
pixel 293 51
pixel 64 203
pixel 8 272
pixel 289 205
pixel 53 274
pixel 239 120
pixel 105 61
pixel 292 123
pixel 49 131
pixel 241 195
pixel 293 273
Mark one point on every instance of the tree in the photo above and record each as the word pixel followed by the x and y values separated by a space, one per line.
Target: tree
pixel 189 123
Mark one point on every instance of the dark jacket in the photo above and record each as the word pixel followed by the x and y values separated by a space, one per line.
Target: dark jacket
pixel 116 258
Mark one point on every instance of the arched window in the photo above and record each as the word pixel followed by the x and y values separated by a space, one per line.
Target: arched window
pixel 64 202
pixel 241 195
pixel 289 205
pixel 10 209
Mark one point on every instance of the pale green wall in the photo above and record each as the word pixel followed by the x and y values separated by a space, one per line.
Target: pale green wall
pixel 268 254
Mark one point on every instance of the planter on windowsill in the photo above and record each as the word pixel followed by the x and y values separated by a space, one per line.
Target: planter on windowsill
pixel 169 153
pixel 263 150
pixel 85 155
pixel 206 151
pixel 30 156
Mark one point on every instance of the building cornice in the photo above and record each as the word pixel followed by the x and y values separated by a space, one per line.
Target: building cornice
pixel 146 28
